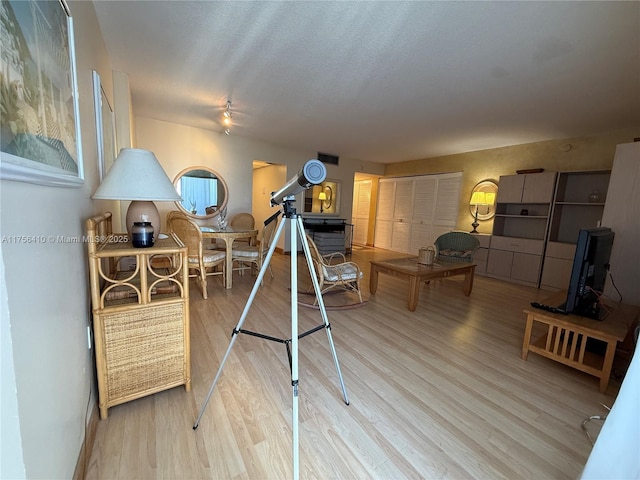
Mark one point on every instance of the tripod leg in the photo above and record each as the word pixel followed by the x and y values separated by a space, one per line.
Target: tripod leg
pixel 323 310
pixel 294 349
pixel 254 290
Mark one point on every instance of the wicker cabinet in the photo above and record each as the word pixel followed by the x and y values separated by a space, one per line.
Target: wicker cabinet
pixel 140 304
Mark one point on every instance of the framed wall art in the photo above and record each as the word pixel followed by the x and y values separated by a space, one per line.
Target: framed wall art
pixel 105 127
pixel 40 137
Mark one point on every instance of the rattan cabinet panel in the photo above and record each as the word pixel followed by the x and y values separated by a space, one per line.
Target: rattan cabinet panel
pixel 140 304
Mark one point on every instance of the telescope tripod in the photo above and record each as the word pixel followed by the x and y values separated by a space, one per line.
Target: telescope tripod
pixel 291 343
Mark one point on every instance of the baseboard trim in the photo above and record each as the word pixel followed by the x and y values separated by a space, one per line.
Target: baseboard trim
pixel 82 463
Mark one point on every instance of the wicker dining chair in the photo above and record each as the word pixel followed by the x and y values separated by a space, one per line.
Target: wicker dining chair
pixel 345 275
pixel 244 221
pixel 249 255
pixel 201 261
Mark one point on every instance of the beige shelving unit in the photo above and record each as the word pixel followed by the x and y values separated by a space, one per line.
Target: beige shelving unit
pixel 578 203
pixel 523 206
pixel 140 304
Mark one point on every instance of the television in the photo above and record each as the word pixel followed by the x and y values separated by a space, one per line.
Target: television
pixel 589 272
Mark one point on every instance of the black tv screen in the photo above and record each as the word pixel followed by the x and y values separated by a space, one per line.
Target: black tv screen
pixel 589 272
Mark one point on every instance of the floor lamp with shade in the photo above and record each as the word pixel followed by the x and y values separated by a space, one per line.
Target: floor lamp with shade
pixel 137 175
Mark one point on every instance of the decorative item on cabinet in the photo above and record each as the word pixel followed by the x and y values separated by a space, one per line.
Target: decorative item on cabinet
pixel 595 197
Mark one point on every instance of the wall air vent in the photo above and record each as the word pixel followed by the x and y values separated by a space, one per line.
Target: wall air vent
pixel 327 158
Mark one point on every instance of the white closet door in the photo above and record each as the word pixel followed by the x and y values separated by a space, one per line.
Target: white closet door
pixel 421 236
pixel 384 229
pixel 424 199
pixel 414 211
pixel 400 237
pixel 360 214
pixel 448 200
pixel 384 217
pixel 403 205
pixel 386 194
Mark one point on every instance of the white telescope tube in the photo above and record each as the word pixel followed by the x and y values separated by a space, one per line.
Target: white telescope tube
pixel 312 173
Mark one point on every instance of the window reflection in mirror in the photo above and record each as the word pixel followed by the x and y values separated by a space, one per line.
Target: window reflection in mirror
pixel 323 199
pixel 203 192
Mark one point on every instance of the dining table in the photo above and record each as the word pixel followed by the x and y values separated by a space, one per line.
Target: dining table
pixel 228 235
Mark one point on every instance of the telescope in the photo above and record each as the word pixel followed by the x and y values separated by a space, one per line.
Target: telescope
pixel 312 173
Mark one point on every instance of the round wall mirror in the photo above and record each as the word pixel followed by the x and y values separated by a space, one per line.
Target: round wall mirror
pixel 486 209
pixel 204 193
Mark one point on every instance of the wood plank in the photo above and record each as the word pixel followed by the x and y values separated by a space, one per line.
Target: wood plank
pixel 441 392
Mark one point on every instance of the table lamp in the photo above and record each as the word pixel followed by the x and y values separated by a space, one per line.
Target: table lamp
pixel 137 175
pixel 477 199
pixel 322 197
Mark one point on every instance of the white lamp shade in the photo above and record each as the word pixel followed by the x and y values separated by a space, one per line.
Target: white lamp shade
pixel 136 175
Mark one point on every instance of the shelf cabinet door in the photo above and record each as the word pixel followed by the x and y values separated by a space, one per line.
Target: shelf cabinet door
pixel 556 273
pixel 526 267
pixel 510 189
pixel 538 187
pixel 499 263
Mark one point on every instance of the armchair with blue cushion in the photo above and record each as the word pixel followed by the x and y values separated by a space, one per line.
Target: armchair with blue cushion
pixel 456 247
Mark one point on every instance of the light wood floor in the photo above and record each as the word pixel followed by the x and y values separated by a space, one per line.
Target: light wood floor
pixel 437 393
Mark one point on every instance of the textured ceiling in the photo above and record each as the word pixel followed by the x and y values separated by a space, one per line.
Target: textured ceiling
pixel 382 81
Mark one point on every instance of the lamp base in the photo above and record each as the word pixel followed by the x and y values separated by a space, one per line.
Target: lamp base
pixel 475 223
pixel 143 211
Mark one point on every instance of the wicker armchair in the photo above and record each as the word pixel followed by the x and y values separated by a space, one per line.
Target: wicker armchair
pixel 345 275
pixel 456 247
pixel 201 261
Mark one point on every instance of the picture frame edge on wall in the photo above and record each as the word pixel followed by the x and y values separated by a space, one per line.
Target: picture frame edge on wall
pixel 17 168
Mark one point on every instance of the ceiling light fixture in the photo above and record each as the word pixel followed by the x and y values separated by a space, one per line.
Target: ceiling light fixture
pixel 226 118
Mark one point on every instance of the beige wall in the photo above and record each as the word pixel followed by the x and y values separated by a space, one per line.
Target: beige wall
pixel 265 181
pixel 47 302
pixel 582 153
pixel 178 147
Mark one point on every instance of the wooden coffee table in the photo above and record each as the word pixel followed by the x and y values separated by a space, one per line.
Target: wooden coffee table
pixel 408 267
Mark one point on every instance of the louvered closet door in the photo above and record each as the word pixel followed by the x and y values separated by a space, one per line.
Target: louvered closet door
pixel 414 211
pixel 402 214
pixel 447 203
pixel 384 217
pixel 360 214
pixel 424 205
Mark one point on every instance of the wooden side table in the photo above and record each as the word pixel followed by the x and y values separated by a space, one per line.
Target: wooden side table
pixel 567 337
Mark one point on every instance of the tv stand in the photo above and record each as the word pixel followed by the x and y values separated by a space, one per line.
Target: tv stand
pixel 568 339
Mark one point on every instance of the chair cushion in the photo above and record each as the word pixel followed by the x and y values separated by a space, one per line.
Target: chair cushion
pixel 345 272
pixel 209 256
pixel 246 252
pixel 456 253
